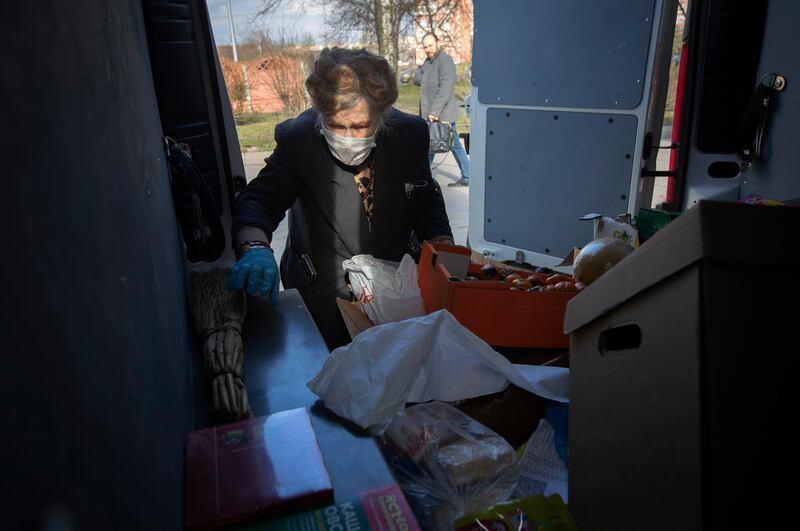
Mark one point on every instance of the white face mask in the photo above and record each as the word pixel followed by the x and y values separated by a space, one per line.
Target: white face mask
pixel 350 151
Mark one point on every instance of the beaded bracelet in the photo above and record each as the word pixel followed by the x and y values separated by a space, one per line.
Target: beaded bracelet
pixel 254 244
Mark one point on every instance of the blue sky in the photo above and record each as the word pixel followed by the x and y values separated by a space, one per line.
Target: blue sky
pixel 295 18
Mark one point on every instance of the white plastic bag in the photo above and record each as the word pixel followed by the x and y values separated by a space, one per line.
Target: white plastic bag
pixel 448 464
pixel 425 358
pixel 386 291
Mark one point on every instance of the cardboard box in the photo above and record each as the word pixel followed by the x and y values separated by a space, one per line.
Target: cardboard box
pixel 492 311
pixel 680 375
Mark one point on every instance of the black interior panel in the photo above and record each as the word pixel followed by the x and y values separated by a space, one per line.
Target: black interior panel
pixel 95 373
pixel 178 37
pixel 732 46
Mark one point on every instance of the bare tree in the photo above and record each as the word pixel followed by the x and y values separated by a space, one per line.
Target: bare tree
pixel 436 16
pixel 235 84
pixel 380 22
pixel 268 7
pixel 286 60
pixel 286 78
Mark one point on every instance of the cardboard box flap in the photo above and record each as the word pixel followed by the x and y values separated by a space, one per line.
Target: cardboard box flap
pixel 730 233
pixel 454 258
pixel 354 319
pixel 569 260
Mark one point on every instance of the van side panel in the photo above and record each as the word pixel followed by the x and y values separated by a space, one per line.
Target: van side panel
pixel 95 373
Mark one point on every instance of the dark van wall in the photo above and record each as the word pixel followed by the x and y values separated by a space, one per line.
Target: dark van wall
pixel 94 372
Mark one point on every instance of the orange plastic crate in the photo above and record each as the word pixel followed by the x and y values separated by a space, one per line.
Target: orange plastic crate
pixel 491 310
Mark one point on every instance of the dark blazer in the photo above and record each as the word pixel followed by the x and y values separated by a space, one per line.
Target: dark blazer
pixel 327 219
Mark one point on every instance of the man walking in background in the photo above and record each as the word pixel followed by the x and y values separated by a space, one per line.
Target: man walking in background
pixel 437 77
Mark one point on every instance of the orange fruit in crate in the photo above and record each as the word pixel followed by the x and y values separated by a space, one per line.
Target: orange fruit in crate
pixel 521 283
pixel 534 280
pixel 488 272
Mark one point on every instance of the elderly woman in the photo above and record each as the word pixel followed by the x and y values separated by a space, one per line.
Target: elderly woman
pixel 354 172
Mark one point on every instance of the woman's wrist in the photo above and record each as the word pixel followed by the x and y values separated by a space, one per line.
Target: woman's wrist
pixel 251 244
pixel 250 238
pixel 250 233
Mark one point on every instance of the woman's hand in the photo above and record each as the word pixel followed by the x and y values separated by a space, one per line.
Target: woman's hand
pixel 257 273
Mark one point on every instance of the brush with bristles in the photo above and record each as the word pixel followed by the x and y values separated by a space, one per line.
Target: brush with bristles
pixel 218 313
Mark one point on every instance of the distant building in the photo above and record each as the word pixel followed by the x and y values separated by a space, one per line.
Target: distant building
pixel 272 79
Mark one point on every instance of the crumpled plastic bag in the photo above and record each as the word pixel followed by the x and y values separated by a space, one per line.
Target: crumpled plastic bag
pixel 385 291
pixel 531 512
pixel 447 463
pixel 417 360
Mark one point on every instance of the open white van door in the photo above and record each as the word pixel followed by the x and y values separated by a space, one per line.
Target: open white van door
pixel 564 96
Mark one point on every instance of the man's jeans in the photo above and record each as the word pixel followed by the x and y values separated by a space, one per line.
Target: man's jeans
pixel 458 151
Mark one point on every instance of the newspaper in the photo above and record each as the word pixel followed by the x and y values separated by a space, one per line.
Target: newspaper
pixel 542 470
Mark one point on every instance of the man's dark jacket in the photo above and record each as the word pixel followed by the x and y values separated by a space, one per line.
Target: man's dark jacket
pixel 327 219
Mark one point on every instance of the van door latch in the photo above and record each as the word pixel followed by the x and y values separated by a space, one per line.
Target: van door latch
pixel 752 127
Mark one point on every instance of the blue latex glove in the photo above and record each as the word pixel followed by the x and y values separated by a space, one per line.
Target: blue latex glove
pixel 557 414
pixel 257 273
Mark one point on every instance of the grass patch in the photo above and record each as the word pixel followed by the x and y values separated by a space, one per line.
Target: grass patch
pixel 257 131
pixel 408 98
pixel 251 118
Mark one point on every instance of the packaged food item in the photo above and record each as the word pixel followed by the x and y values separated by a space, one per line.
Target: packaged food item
pixel 537 513
pixel 466 463
pixel 619 227
pixel 755 199
pixel 448 464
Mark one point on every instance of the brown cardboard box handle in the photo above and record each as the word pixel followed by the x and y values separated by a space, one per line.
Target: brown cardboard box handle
pixel 620 337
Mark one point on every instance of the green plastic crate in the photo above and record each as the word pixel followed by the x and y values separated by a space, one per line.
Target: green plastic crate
pixel 649 221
